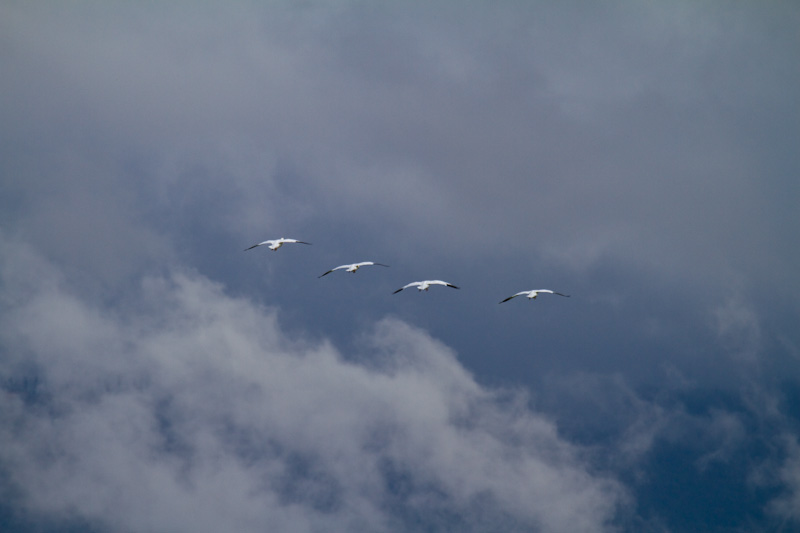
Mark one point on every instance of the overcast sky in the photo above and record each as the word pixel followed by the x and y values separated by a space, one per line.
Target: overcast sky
pixel 642 157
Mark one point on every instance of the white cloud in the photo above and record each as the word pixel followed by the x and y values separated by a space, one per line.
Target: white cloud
pixel 188 410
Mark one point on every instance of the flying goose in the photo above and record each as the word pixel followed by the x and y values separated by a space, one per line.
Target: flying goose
pixel 425 285
pixel 355 266
pixel 532 294
pixel 275 244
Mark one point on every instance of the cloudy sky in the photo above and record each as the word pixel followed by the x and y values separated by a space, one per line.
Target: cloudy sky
pixel 642 157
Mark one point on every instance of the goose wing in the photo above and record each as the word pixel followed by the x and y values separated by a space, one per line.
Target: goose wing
pixel 259 244
pixel 509 298
pixel 337 268
pixel 552 292
pixel 440 282
pixel 412 284
pixel 520 293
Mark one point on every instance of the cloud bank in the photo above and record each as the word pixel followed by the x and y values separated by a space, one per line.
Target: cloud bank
pixel 189 410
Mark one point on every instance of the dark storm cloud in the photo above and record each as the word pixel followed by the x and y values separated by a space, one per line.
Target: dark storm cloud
pixel 638 123
pixel 630 134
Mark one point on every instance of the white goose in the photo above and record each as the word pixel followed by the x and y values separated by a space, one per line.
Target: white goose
pixel 533 294
pixel 276 243
pixel 425 285
pixel 355 266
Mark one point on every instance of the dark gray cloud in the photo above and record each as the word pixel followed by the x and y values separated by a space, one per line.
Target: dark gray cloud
pixel 641 157
pixel 572 134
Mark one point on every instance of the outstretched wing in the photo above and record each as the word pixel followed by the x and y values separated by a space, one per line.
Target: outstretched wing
pixel 440 282
pixel 548 291
pixel 412 284
pixel 257 245
pixel 520 293
pixel 337 268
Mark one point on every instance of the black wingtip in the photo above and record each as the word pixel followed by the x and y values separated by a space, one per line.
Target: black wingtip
pixel 398 290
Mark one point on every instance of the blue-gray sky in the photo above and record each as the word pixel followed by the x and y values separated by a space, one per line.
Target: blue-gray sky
pixel 643 157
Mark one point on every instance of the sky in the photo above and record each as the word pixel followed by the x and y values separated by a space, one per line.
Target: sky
pixel 642 157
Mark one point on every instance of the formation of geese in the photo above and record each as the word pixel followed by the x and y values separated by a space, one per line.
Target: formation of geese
pixel 421 286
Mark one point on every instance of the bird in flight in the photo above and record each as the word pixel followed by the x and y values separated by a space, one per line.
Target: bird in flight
pixel 425 285
pixel 532 294
pixel 276 243
pixel 355 266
